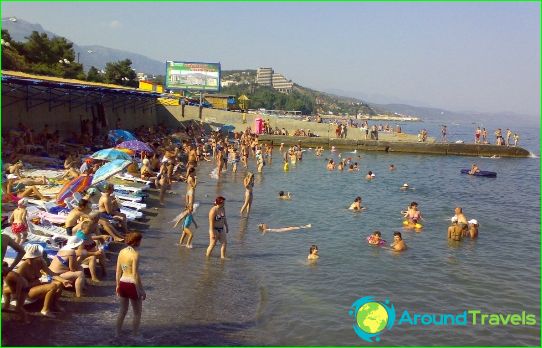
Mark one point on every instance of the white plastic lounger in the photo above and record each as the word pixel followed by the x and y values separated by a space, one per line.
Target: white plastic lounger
pixel 131 188
pixel 134 205
pixel 129 177
pixel 128 197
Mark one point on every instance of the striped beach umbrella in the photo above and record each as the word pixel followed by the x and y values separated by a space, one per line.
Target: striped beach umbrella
pixel 110 155
pixel 109 169
pixel 135 145
pixel 79 184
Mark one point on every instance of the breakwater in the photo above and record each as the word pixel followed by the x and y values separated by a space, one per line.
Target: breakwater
pixel 398 147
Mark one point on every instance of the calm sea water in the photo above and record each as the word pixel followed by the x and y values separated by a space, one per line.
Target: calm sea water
pixel 267 293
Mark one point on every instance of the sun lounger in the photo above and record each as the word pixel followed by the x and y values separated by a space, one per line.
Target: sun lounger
pixel 134 205
pixel 129 177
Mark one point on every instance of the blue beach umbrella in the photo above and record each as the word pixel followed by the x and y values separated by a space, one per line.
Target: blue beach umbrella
pixel 110 155
pixel 135 145
pixel 109 169
pixel 116 134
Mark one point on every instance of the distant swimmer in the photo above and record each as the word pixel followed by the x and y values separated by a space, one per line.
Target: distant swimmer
pixel 455 232
pixel 284 195
pixel 474 169
pixel 370 175
pixel 330 165
pixel 398 242
pixel 461 218
pixel 313 252
pixel 376 239
pixel 333 149
pixel 473 229
pixel 340 166
pixel 392 167
pixel 405 187
pixel 356 205
pixel 286 166
pixel 264 228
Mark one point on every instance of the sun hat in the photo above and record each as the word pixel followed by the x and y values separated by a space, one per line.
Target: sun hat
pixel 33 251
pixel 73 242
pixel 405 185
pixel 473 221
pixel 454 219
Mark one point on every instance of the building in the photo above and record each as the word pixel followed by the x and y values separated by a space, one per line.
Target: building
pixel 281 84
pixel 222 101
pixel 267 77
pixel 264 76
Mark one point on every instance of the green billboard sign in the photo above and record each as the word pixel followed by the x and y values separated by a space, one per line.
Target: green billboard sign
pixel 193 76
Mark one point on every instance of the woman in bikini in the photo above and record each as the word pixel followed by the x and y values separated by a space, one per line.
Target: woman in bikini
pixel 248 182
pixel 66 265
pixel 191 182
pixel 129 287
pixel 218 227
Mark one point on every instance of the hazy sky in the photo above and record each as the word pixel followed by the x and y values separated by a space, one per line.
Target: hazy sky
pixel 458 56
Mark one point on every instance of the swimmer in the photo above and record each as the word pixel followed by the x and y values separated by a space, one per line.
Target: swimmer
pixel 398 242
pixel 330 165
pixel 284 195
pixel 376 239
pixel 473 229
pixel 313 252
pixel 474 169
pixel 356 205
pixel 370 175
pixel 404 187
pixel 455 231
pixel 392 167
pixel 264 228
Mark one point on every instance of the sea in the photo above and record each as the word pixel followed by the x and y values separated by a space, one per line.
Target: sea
pixel 267 293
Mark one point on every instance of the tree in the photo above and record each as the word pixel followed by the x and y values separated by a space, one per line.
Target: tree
pixel 94 75
pixel 11 58
pixel 121 73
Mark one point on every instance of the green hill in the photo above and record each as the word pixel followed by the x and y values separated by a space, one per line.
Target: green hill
pixel 303 99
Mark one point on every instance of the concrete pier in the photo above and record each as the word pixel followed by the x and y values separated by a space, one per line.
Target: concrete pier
pixel 400 147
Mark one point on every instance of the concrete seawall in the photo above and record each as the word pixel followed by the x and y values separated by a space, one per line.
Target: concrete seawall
pixel 400 147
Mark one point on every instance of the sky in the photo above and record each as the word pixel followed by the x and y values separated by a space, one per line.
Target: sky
pixel 458 56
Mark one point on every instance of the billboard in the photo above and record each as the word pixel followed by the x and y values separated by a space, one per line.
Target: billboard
pixel 193 76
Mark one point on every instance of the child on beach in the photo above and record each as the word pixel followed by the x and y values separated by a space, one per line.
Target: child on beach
pixel 188 220
pixel 19 226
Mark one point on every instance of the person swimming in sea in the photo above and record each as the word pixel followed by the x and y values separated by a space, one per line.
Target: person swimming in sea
pixel 264 228
pixel 284 195
pixel 356 205
pixel 370 175
pixel 398 242
pixel 376 239
pixel 313 252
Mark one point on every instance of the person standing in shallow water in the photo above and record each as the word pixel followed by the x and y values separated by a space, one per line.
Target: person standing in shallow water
pixel 129 286
pixel 218 227
pixel 248 182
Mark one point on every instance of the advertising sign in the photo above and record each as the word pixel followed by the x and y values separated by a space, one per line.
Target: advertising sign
pixel 193 76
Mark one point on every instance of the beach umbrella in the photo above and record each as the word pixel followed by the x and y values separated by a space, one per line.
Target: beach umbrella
pixel 135 145
pixel 116 134
pixel 127 151
pixel 79 184
pixel 110 155
pixel 109 169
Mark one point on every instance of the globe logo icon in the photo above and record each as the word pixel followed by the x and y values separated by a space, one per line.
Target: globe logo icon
pixel 371 318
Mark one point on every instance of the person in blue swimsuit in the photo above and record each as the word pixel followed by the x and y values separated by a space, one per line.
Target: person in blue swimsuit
pixel 188 220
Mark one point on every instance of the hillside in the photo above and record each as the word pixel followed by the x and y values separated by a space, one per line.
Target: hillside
pixel 89 55
pixel 303 99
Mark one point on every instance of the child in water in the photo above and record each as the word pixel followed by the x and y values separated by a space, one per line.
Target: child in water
pixel 313 252
pixel 188 220
pixel 376 239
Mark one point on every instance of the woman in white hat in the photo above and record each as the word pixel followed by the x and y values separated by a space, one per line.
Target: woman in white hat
pixel 30 269
pixel 66 265
pixel 473 229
